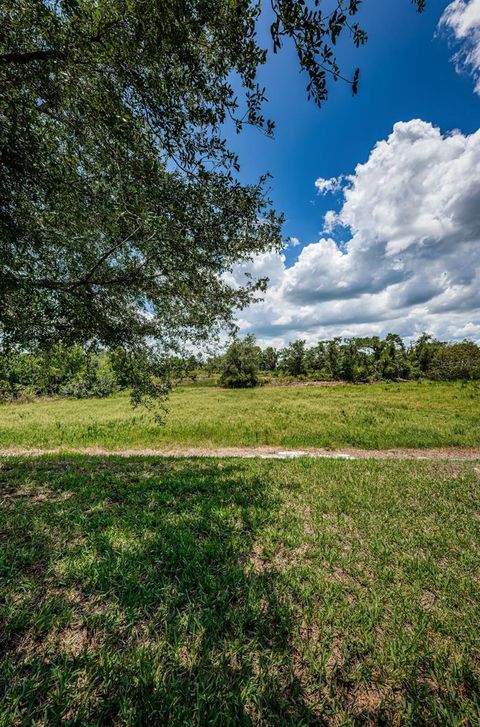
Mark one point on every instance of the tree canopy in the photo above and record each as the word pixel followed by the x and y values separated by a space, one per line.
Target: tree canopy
pixel 240 364
pixel 121 211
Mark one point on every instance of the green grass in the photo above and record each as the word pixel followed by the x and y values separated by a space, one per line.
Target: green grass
pixel 149 591
pixel 427 414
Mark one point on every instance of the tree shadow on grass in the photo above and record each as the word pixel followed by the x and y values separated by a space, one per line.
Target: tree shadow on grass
pixel 130 596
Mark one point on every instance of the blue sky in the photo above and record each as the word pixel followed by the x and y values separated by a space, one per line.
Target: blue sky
pixel 407 73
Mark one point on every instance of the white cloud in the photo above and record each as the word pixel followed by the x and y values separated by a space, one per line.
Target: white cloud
pixel 293 241
pixel 462 19
pixel 412 262
pixel 330 221
pixel 324 186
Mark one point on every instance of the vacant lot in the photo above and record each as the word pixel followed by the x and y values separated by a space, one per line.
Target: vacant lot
pixel 187 592
pixel 427 414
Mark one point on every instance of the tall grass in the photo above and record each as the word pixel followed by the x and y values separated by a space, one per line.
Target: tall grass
pixel 427 414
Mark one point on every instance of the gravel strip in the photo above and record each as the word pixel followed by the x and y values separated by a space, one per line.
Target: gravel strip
pixel 446 453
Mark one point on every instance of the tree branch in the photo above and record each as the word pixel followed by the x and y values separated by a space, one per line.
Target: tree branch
pixel 22 58
pixel 30 56
pixel 88 279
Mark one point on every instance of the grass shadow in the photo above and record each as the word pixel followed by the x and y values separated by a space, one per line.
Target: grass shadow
pixel 130 596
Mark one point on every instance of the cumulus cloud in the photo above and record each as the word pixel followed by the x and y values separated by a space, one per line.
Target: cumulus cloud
pixel 462 19
pixel 324 186
pixel 412 262
pixel 293 241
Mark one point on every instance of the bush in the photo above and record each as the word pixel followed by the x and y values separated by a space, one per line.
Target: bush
pixel 319 375
pixel 292 359
pixel 240 364
pixel 456 361
pixel 16 392
pixel 96 379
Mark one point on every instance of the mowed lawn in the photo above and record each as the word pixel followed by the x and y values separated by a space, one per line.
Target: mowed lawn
pixel 426 414
pixel 148 591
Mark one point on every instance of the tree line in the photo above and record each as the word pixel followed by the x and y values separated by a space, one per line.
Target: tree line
pixel 356 359
pixel 78 372
pixel 82 372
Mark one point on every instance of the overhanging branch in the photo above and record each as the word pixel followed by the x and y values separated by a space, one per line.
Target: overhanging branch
pixel 36 55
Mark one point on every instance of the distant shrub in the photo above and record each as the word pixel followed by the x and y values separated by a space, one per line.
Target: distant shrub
pixel 97 379
pixel 292 359
pixel 6 393
pixel 105 380
pixel 240 364
pixel 319 375
pixel 16 392
pixel 456 361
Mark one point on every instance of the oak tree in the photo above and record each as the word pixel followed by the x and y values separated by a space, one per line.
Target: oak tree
pixel 121 210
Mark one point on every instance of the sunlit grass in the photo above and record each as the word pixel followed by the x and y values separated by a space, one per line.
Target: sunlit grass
pixel 225 592
pixel 426 414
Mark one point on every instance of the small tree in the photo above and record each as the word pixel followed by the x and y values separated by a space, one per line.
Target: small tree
pixel 315 358
pixel 394 361
pixel 240 364
pixel 354 361
pixel 268 359
pixel 334 358
pixel 422 353
pixel 292 359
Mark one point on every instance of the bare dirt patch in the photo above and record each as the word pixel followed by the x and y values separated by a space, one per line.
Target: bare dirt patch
pixel 443 453
pixel 34 496
pixel 367 700
pixel 428 600
pixel 282 559
pixel 72 640
pixel 299 384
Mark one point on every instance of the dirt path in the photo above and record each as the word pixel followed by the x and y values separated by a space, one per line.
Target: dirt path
pixel 447 453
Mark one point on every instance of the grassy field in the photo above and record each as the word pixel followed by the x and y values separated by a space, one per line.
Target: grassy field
pixel 223 592
pixel 426 414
